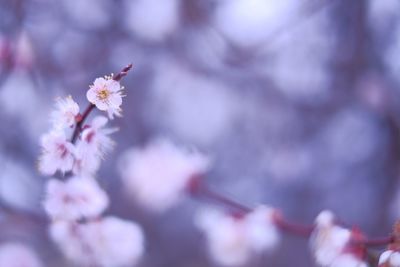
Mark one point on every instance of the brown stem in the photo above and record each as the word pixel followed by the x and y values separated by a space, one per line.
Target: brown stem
pixel 78 126
pixel 293 228
pixel 122 73
pixel 197 189
pixel 376 242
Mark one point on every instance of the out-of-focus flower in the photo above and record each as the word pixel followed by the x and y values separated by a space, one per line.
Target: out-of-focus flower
pixel 250 22
pixel 75 199
pixel 158 174
pixel 141 14
pixel 116 242
pixel 93 144
pixel 348 260
pixel 18 255
pixel 57 153
pixel 65 114
pixel 328 240
pixel 232 241
pixel 110 242
pixel 106 94
pixel 389 258
pixel 24 52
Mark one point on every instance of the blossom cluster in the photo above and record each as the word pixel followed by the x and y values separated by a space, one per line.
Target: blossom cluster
pixel 14 254
pixel 76 202
pixel 158 176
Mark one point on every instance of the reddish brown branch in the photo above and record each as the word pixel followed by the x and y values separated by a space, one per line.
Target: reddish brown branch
pixel 376 242
pixel 122 73
pixel 197 189
pixel 293 228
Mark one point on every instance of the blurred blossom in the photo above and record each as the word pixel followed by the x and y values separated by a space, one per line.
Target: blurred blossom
pixel 298 81
pixel 196 108
pixel 392 58
pixel 382 13
pixel 65 114
pixel 19 91
pixel 286 164
pixel 24 52
pixel 374 92
pixel 18 255
pixel 390 258
pixel 232 241
pixel 152 20
pixel 351 136
pixel 347 260
pixel 92 146
pixel 250 22
pixel 57 153
pixel 207 48
pixel 109 242
pixel 18 185
pixel 329 241
pixel 75 199
pixel 157 175
pixel 88 14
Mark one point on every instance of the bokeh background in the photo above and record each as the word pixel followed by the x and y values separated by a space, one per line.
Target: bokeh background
pixel 296 102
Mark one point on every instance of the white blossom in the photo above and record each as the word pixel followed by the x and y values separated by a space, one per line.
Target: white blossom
pixel 106 94
pixel 158 174
pixel 328 240
pixel 232 241
pixel 92 146
pixel 348 260
pixel 18 255
pixel 57 153
pixel 65 114
pixel 109 242
pixel 74 199
pixel 390 258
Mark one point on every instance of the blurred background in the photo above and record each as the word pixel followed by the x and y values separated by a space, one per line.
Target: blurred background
pixel 296 102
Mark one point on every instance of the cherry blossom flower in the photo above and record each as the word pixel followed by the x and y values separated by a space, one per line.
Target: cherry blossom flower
pixel 109 242
pixel 93 144
pixel 348 260
pixel 65 114
pixel 158 174
pixel 389 258
pixel 232 241
pixel 57 153
pixel 17 255
pixel 328 240
pixel 70 237
pixel 106 94
pixel 74 199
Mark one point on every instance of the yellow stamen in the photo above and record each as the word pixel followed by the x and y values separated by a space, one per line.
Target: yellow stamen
pixel 103 94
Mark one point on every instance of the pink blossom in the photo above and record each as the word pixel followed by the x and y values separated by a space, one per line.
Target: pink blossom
pixel 18 255
pixel 65 114
pixel 390 258
pixel 328 240
pixel 109 242
pixel 158 174
pixel 232 241
pixel 74 199
pixel 106 94
pixel 348 260
pixel 94 143
pixel 57 153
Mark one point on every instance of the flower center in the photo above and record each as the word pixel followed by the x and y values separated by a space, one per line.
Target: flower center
pixel 103 94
